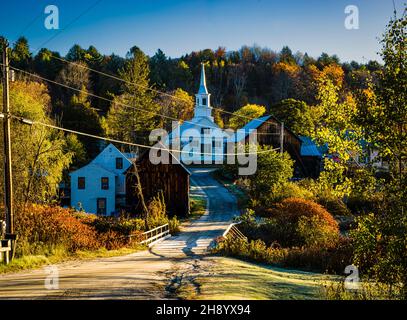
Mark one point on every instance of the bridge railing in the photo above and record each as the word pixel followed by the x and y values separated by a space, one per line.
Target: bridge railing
pixel 232 232
pixel 153 235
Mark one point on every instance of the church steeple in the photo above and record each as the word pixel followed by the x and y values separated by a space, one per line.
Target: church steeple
pixel 202 105
pixel 202 85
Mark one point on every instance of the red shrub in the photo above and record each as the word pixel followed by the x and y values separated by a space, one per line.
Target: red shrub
pixel 39 224
pixel 291 210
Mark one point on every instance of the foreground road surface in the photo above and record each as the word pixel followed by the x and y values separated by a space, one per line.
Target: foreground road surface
pixel 149 274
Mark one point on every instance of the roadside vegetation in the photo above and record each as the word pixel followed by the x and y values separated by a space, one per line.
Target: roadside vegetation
pixel 51 234
pixel 352 214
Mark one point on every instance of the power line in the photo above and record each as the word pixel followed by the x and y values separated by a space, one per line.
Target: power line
pixel 51 126
pixel 143 86
pixel 116 102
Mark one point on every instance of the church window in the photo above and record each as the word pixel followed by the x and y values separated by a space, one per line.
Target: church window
pixel 204 101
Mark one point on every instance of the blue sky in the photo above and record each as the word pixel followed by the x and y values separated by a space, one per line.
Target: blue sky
pixel 180 26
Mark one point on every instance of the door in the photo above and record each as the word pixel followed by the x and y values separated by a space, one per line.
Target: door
pixel 101 206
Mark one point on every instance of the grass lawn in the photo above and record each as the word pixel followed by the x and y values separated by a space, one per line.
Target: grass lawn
pixel 229 278
pixel 198 206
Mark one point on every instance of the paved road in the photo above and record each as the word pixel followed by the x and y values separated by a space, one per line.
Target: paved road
pixel 153 274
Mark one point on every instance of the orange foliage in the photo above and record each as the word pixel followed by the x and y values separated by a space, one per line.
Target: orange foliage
pixel 39 224
pixel 291 69
pixel 290 210
pixel 334 73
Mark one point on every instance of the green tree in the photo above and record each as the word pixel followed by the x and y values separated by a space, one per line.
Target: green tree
pixel 133 113
pixel 20 54
pixel 79 115
pixel 39 154
pixel 380 240
pixel 273 169
pixel 73 75
pixel 176 104
pixel 245 114
pixel 297 115
pixel 337 129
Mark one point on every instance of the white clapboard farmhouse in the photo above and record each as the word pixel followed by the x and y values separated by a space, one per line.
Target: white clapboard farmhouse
pixel 100 186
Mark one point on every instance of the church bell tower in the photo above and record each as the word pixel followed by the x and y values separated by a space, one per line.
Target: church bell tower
pixel 202 99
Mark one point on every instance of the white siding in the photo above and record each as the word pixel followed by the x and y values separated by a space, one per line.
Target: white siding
pixel 104 165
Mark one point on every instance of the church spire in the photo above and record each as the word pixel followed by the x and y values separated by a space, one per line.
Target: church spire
pixel 203 104
pixel 202 85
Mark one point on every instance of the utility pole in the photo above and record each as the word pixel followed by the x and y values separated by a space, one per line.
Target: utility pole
pixel 8 185
pixel 282 138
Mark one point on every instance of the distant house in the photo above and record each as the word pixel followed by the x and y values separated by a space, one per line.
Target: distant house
pixel 100 186
pixel 170 179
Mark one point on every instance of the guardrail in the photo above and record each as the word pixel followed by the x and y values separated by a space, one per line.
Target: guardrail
pixel 233 232
pixel 5 249
pixel 156 234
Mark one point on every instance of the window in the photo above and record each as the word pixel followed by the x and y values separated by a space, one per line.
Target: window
pixel 81 183
pixel 204 101
pixel 105 183
pixel 101 206
pixel 119 163
pixel 205 130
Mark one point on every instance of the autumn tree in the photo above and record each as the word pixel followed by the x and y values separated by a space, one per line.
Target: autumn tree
pixel 39 154
pixel 176 104
pixel 245 114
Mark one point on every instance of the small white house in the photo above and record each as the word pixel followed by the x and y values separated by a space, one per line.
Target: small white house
pixel 100 186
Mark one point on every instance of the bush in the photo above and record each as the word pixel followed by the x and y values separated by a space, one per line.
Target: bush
pixel 174 224
pixel 42 228
pixel 290 190
pixel 157 211
pixel 46 230
pixel 255 250
pixel 292 219
pixel 121 225
pixel 332 260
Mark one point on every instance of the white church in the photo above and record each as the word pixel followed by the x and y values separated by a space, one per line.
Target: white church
pixel 200 139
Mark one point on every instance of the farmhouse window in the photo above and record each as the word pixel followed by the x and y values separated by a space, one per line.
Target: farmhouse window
pixel 101 206
pixel 119 163
pixel 81 183
pixel 105 183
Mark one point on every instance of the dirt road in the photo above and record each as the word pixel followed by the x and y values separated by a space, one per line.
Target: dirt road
pixel 149 274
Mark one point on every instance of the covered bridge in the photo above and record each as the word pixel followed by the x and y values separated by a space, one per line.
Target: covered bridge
pixel 170 179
